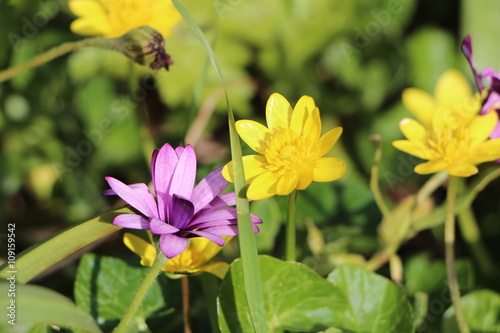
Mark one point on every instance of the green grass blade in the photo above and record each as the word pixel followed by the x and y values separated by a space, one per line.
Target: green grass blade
pixel 248 246
pixel 43 255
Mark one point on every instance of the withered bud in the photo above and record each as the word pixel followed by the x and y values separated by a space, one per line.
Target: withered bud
pixel 145 46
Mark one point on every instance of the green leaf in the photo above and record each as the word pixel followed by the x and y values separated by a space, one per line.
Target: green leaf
pixel 376 304
pixel 297 299
pixel 246 237
pixel 105 286
pixel 38 305
pixel 482 313
pixel 43 255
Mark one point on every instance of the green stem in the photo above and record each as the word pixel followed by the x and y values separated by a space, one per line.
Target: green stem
pixel 185 304
pixel 472 236
pixel 291 218
pixel 51 54
pixel 148 281
pixel 449 240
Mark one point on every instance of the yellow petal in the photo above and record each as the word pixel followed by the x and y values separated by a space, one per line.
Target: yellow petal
pixel 420 103
pixel 305 179
pixel 278 111
pixel 218 269
pixel 227 172
pixel 204 249
pixel 84 8
pixel 286 184
pixel 413 130
pixel 326 142
pixel 462 170
pixel 413 149
pixel 328 169
pixel 431 167
pixel 140 247
pixel 452 89
pixel 481 127
pixel 301 115
pixel 91 26
pixel 254 134
pixel 253 165
pixel 263 186
pixel 488 151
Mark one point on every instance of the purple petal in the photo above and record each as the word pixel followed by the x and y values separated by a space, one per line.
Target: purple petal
pixel 172 245
pixel 221 214
pixel 131 221
pixel 136 186
pixel 159 227
pixel 181 212
pixel 220 201
pixel 467 50
pixel 210 236
pixel 184 175
pixel 162 168
pixel 139 197
pixel 195 226
pixel 222 230
pixel 208 188
pixel 179 151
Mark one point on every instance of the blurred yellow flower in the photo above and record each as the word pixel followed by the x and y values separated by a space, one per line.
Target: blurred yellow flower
pixel 449 132
pixel 291 147
pixel 114 18
pixel 192 260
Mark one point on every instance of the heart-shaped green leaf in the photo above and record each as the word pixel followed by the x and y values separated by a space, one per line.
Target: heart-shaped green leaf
pixel 376 304
pixel 105 287
pixel 296 299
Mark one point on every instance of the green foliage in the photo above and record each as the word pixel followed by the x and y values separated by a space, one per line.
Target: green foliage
pixel 105 286
pixel 37 305
pixel 482 312
pixel 296 299
pixel 375 304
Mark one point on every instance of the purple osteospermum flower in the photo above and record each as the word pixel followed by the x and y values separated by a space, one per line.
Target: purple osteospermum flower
pixel 493 80
pixel 179 212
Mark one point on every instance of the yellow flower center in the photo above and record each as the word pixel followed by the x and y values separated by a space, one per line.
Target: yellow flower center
pixel 287 153
pixel 452 145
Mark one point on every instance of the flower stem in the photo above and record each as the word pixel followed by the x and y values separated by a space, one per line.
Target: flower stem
pixel 291 218
pixel 449 240
pixel 159 263
pixel 185 304
pixel 51 54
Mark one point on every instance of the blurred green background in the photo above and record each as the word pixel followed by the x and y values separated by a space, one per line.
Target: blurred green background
pixel 67 124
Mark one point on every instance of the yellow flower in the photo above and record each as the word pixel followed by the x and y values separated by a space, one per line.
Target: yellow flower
pixel 192 260
pixel 114 18
pixel 449 132
pixel 291 147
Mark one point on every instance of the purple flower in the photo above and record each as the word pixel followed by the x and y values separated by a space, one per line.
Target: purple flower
pixel 179 211
pixel 492 80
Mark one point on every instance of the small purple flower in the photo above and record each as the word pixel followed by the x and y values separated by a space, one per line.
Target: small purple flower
pixel 492 79
pixel 179 211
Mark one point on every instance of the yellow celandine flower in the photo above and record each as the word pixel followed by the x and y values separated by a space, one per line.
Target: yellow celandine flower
pixel 449 132
pixel 291 147
pixel 190 261
pixel 114 18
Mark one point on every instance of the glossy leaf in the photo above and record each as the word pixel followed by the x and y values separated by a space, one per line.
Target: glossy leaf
pixel 376 304
pixel 296 299
pixel 43 255
pixel 105 287
pixel 38 305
